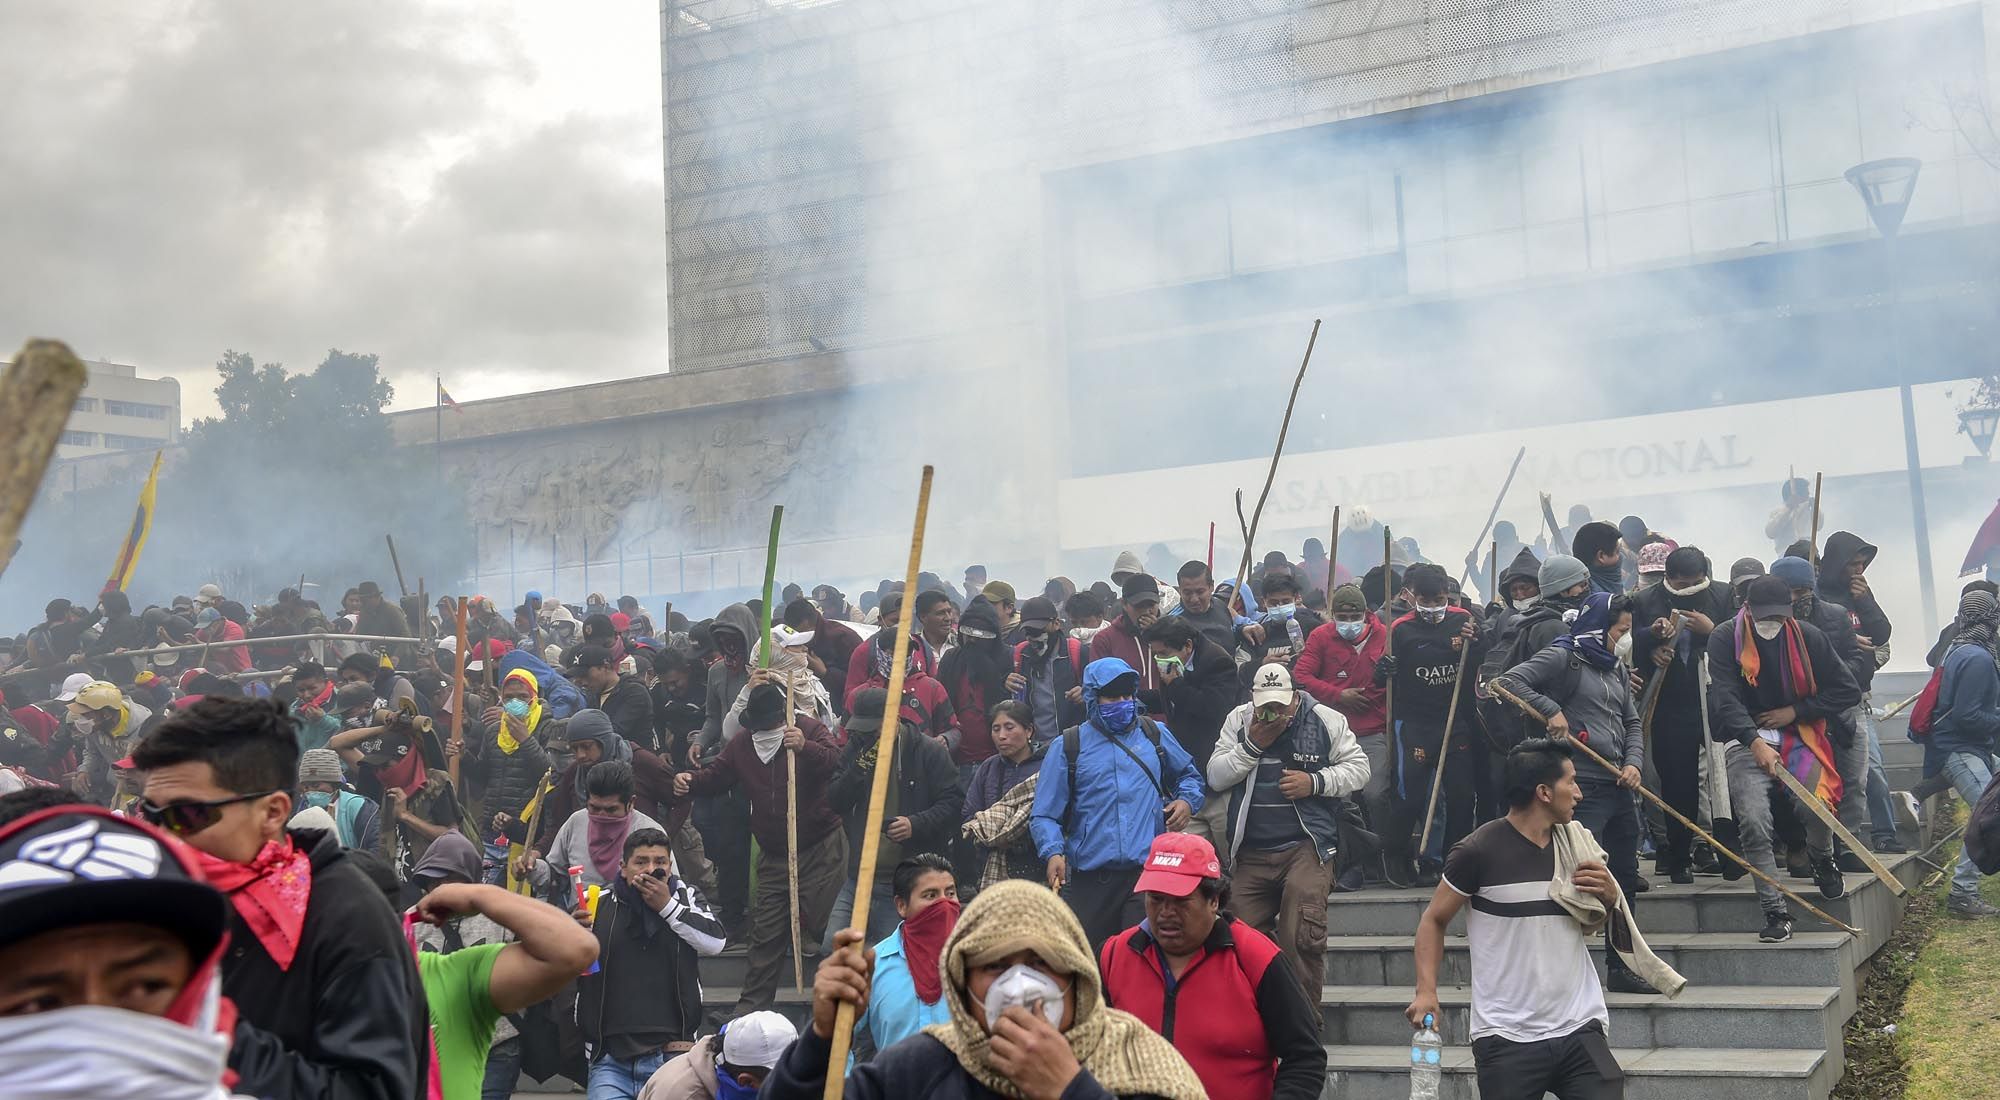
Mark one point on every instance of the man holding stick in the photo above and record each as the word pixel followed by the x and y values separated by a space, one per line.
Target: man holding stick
pixel 1425 654
pixel 1779 689
pixel 752 761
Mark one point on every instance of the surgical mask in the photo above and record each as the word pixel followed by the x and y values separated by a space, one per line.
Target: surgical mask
pixel 1169 665
pixel 1526 602
pixel 1769 629
pixel 1432 614
pixel 1281 611
pixel 84 726
pixel 1119 716
pixel 319 798
pixel 1350 631
pixel 1027 987
pixel 515 708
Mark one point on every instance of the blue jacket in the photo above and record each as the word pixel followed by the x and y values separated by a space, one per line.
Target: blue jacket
pixel 1968 706
pixel 1118 806
pixel 894 1011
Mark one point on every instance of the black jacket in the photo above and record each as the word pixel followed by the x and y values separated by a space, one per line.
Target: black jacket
pixel 1842 548
pixel 1200 698
pixel 918 1066
pixel 928 793
pixel 1277 642
pixel 511 779
pixel 348 1020
pixel 1680 694
pixel 630 708
pixel 1834 622
pixel 1427 670
pixel 645 991
pixel 1733 704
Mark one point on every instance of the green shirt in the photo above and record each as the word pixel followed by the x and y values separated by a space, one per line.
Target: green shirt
pixel 459 987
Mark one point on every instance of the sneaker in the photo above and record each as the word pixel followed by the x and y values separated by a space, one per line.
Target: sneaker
pixel 1887 846
pixel 1396 873
pixel 1429 873
pixel 1682 876
pixel 1350 881
pixel 1777 927
pixel 1706 863
pixel 1970 907
pixel 1826 876
pixel 1908 812
pixel 1641 884
pixel 1852 863
pixel 1730 870
pixel 1622 980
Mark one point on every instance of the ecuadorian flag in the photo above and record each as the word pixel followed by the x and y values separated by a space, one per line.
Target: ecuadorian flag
pixel 135 539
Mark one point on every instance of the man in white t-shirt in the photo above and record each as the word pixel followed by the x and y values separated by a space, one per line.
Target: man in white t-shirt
pixel 1538 1015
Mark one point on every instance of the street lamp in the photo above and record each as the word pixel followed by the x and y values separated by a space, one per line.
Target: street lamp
pixel 1980 424
pixel 1886 187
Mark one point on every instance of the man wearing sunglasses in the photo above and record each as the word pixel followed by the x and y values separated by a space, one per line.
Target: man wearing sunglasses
pixel 1048 669
pixel 327 994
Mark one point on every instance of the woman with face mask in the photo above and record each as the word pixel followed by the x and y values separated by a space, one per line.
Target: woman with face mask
pixel 1580 687
pixel 1027 1018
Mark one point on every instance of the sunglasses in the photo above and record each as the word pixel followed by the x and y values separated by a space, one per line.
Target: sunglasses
pixel 189 818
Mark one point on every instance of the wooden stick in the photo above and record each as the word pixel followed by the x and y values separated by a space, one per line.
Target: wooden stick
pixel 397 563
pixel 36 396
pixel 1499 689
pixel 1493 569
pixel 1824 813
pixel 1495 513
pixel 1388 642
pixel 792 843
pixel 1813 543
pixel 1558 542
pixel 457 702
pixel 1333 559
pixel 1899 707
pixel 423 623
pixel 878 792
pixel 1284 426
pixel 1444 748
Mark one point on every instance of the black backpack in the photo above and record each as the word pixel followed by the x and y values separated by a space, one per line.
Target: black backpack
pixel 1073 744
pixel 1505 725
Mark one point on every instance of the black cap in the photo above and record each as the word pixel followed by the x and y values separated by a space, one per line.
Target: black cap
pixel 75 865
pixel 368 589
pixel 1040 609
pixel 1139 585
pixel 765 709
pixel 1768 597
pixel 864 715
pixel 591 656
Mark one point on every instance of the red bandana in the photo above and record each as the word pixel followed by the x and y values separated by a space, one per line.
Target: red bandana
pixel 923 941
pixel 270 894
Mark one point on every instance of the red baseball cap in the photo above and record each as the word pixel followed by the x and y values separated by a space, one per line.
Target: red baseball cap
pixel 1176 865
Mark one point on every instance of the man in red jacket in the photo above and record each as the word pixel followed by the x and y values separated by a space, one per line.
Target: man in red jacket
pixel 1338 668
pixel 1211 985
pixel 753 760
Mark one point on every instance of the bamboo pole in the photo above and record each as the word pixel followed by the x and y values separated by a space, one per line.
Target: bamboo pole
pixel 1444 748
pixel 1284 427
pixel 1697 830
pixel 878 792
pixel 36 395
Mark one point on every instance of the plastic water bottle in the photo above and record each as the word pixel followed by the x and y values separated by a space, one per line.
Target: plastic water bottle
pixel 1426 1056
pixel 1297 635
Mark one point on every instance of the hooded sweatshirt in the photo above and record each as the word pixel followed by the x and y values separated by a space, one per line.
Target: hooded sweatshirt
pixel 725 677
pixel 1866 614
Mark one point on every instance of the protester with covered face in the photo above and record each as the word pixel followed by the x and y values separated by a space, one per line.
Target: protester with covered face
pixel 326 990
pixel 974 675
pixel 108 725
pixel 1671 625
pixel 1579 688
pixel 832 646
pixel 1965 729
pixel 621 697
pixel 1048 669
pixel 753 761
pixel 111 943
pixel 641 1004
pixel 1423 661
pixel 1597 545
pixel 906 991
pixel 593 836
pixel 1338 670
pixel 925 701
pixel 1198 686
pixel 922 813
pixel 393 755
pixel 509 753
pixel 1120 639
pixel 1282 765
pixel 1106 789
pixel 311 708
pixel 1779 691
pixel 728 1065
pixel 120 630
pixel 322 782
pixel 1843 581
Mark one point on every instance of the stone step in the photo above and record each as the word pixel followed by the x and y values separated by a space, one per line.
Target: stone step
pixel 1383 1073
pixel 1713 1017
pixel 1703 958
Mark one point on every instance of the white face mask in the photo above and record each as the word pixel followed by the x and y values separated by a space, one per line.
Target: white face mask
pixel 1694 589
pixel 75 1053
pixel 1526 602
pixel 1769 629
pixel 1023 985
pixel 1624 648
pixel 84 726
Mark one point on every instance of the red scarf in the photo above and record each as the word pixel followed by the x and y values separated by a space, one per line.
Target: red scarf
pixel 1807 751
pixel 270 894
pixel 923 941
pixel 606 836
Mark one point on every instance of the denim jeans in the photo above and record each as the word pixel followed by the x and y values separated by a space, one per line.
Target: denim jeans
pixel 493 860
pixel 1750 795
pixel 1969 773
pixel 622 1078
pixel 1881 811
pixel 503 1070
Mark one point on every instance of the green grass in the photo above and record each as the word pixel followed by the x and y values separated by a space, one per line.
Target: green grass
pixel 1949 1034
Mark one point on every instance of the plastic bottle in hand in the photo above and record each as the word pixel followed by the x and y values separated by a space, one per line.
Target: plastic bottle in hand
pixel 1426 1058
pixel 1297 634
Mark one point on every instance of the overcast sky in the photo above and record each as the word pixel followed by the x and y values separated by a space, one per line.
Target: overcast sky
pixel 465 188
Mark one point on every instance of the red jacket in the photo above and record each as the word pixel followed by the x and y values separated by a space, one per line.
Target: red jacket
pixel 861 663
pixel 1332 664
pixel 1237 1013
pixel 925 704
pixel 1121 640
pixel 738 766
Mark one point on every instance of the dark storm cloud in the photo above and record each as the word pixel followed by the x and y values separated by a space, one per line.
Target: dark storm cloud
pixel 283 178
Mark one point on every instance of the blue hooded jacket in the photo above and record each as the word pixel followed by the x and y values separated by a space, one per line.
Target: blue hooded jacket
pixel 1118 805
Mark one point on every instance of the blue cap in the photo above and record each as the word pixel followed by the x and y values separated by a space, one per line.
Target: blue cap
pixel 1796 572
pixel 533 594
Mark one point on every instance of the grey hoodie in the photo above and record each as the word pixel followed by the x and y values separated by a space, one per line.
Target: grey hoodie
pixel 725 682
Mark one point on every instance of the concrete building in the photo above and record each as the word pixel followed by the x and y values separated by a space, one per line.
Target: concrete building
pixel 1071 252
pixel 120 411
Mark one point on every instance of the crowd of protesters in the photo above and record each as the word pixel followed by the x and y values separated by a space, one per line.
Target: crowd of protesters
pixel 1115 816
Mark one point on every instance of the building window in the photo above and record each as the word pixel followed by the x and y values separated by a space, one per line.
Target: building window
pixel 78 439
pixel 130 442
pixel 135 408
pixel 85 405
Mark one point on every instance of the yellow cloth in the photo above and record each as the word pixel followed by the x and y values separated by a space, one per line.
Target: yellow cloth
pixel 505 738
pixel 1121 1052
